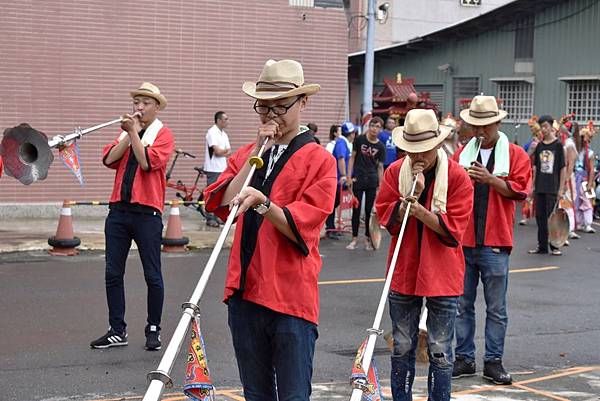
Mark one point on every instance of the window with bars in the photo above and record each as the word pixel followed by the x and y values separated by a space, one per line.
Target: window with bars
pixel 583 99
pixel 517 100
pixel 464 88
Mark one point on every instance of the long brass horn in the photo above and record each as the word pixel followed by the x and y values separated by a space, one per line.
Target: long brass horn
pixel 360 385
pixel 27 152
pixel 160 378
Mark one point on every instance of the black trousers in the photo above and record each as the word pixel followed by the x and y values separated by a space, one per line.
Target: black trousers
pixel 369 193
pixel 330 222
pixel 146 230
pixel 544 205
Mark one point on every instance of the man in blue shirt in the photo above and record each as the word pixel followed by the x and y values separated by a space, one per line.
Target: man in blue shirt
pixel 385 136
pixel 342 152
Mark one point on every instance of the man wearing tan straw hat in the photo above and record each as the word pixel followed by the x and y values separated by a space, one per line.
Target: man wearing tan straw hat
pixel 501 174
pixel 430 263
pixel 271 286
pixel 139 156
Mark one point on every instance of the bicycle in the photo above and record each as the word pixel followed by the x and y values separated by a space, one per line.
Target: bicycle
pixel 185 193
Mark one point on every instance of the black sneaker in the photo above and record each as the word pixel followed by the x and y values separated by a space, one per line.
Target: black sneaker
pixel 463 368
pixel 110 339
pixel 494 371
pixel 153 338
pixel 332 235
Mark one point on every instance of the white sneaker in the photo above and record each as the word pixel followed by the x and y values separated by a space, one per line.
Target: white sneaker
pixel 589 230
pixel 574 235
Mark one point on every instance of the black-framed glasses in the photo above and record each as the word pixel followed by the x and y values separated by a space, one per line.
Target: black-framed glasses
pixel 278 109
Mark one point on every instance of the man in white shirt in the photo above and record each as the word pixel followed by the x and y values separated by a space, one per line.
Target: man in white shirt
pixel 215 156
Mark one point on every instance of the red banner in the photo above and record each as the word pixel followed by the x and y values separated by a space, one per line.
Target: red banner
pixel 69 155
pixel 373 392
pixel 198 384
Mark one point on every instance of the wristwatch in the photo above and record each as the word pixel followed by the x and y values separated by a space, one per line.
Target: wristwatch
pixel 263 208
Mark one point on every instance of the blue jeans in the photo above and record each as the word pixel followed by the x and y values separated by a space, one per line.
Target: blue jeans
pixel 405 311
pixel 492 265
pixel 120 229
pixel 274 352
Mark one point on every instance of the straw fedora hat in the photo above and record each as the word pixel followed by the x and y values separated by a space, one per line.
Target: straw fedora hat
pixel 278 80
pixel 150 90
pixel 421 132
pixel 483 111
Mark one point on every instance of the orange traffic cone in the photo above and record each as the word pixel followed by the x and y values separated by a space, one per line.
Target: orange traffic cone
pixel 64 243
pixel 174 241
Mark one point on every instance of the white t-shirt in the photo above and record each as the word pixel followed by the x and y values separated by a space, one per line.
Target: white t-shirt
pixel 215 137
pixel 485 155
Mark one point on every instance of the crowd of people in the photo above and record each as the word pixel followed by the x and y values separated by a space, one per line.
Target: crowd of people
pixel 468 174
pixel 449 178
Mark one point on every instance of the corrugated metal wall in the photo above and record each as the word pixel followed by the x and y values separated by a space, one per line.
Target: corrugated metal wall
pixel 564 44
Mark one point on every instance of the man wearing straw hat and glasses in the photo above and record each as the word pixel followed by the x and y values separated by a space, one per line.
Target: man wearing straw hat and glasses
pixel 430 263
pixel 501 175
pixel 271 285
pixel 139 156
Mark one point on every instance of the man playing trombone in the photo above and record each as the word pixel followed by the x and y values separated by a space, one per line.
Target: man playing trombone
pixel 271 285
pixel 430 261
pixel 139 156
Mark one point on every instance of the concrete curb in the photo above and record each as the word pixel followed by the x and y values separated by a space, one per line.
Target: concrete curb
pixel 30 232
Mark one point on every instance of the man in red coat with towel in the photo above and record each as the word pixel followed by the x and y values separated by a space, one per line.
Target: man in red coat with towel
pixel 271 286
pixel 501 174
pixel 430 263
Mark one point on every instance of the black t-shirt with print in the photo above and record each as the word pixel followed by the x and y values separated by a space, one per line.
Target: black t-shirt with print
pixel 368 157
pixel 549 158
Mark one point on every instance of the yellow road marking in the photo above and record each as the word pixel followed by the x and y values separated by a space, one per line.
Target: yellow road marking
pixel 540 392
pixel 534 269
pixel 233 396
pixel 381 280
pixel 355 281
pixel 520 384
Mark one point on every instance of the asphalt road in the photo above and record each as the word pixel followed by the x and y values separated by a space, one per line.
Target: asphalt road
pixel 51 307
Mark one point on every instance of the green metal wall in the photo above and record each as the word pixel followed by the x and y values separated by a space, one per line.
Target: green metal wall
pixel 570 46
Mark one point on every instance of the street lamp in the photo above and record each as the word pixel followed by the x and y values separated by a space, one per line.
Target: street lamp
pixel 381 16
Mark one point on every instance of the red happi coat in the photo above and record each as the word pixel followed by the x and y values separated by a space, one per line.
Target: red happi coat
pixel 500 217
pixel 438 267
pixel 274 271
pixel 148 186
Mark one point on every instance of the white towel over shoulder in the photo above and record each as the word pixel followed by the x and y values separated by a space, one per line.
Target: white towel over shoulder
pixel 440 186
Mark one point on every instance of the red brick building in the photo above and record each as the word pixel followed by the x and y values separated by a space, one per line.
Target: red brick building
pixel 69 63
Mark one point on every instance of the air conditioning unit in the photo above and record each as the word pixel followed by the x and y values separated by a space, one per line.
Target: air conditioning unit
pixel 470 3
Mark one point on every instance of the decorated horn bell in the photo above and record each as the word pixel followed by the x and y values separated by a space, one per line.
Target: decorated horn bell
pixel 25 153
pixel 558 228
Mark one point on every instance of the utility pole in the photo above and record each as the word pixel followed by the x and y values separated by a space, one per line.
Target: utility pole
pixel 369 60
